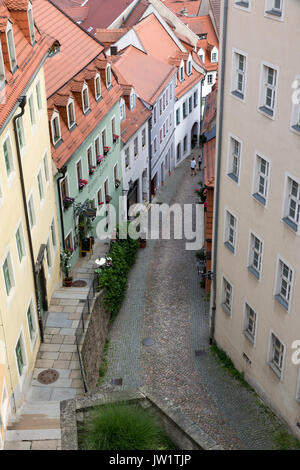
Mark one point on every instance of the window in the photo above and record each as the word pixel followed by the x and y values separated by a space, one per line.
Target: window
pixel 30 321
pixel 227 296
pixel 31 212
pixel 8 157
pixel 230 231
pixel 255 255
pixel 276 355
pixel 268 90
pixel 122 110
pixel 20 356
pixel 160 136
pixel 164 101
pixel 144 137
pixel 20 132
pixel 99 197
pixel 116 179
pixel 274 7
pixel 69 242
pixel 53 234
pixel 64 188
pixel 103 139
pixel 46 168
pixel 135 144
pixel 189 67
pixel 40 185
pixel 214 57
pixel 181 73
pixel 184 109
pixel 108 76
pixel 243 3
pixel 2 70
pixel 155 144
pixel 170 119
pixel 55 130
pixel 295 119
pixel 171 91
pixel 113 128
pixel 31 24
pixel 132 101
pixel 261 179
pixel 11 47
pixel 201 54
pixel 209 78
pixel 79 173
pixel 127 160
pixel 20 242
pixel 238 85
pixel 85 99
pixel 160 106
pixel 249 323
pixel 177 116
pixel 38 95
pixel 195 98
pixel 234 159
pixel 284 284
pixel 106 190
pixel 31 111
pixel 8 274
pixel 97 87
pixel 185 144
pixel 154 115
pixel 71 113
pixel 89 159
pixel 48 254
pixel 292 211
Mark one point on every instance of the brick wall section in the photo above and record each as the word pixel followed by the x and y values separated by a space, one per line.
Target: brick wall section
pixel 94 341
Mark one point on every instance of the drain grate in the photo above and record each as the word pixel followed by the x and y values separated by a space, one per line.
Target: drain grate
pixel 200 352
pixel 48 376
pixel 118 382
pixel 148 341
pixel 79 283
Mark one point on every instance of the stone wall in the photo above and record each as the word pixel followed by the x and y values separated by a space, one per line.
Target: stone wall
pixel 94 341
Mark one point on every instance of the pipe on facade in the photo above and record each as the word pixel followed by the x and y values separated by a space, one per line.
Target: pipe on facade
pixel 63 171
pixel 217 183
pixel 150 155
pixel 22 103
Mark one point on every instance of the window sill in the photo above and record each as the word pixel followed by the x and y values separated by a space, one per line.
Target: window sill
pixel 296 128
pixel 72 127
pixel 291 224
pixel 226 309
pixel 230 247
pixel 87 111
pixel 266 111
pixel 276 371
pixel 254 272
pixel 233 177
pixel 259 198
pixel 238 94
pixel 249 336
pixel 242 4
pixel 282 302
pixel 58 143
pixel 275 13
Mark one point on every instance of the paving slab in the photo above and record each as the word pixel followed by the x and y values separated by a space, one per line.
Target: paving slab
pixel 45 445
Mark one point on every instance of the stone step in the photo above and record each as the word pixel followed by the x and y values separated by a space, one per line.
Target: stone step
pixel 52 409
pixel 17 445
pixel 32 434
pixel 35 422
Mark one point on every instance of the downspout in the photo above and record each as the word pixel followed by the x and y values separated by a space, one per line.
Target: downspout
pixel 63 173
pixel 217 184
pixel 150 155
pixel 22 102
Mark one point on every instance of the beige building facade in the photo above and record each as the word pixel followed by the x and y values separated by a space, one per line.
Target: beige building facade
pixel 255 315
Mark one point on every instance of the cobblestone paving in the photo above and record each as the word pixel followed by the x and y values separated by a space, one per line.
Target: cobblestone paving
pixel 165 302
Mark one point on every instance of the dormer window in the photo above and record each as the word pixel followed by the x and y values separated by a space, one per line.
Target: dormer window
pixel 132 101
pixel 11 47
pixel 2 71
pixel 122 110
pixel 108 76
pixel 71 113
pixel 214 55
pixel 85 99
pixel 201 55
pixel 189 67
pixel 31 23
pixel 55 126
pixel 181 72
pixel 97 87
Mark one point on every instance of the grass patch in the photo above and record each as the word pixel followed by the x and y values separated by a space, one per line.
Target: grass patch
pixel 285 441
pixel 227 364
pixel 104 363
pixel 122 427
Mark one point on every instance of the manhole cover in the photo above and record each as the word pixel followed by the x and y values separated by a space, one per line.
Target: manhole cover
pixel 116 381
pixel 200 352
pixel 148 341
pixel 48 376
pixel 79 283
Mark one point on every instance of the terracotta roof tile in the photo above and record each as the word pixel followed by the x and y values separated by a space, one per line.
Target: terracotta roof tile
pixel 101 14
pixel 134 120
pixel 209 156
pixel 109 36
pixel 136 13
pixel 14 5
pixel 191 6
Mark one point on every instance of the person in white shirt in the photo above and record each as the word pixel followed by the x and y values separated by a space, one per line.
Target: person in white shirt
pixel 193 167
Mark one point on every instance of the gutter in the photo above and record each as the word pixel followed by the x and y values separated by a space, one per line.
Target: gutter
pixel 22 103
pixel 217 184
pixel 62 171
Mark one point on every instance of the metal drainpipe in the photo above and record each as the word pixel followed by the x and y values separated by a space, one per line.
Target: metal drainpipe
pixel 22 102
pixel 150 155
pixel 217 183
pixel 63 172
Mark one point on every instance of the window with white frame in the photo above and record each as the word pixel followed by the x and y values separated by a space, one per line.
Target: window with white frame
pixel 69 242
pixel 97 87
pixel 8 274
pixel 108 76
pixel 154 114
pixel 55 126
pixel 11 47
pixel 226 296
pixel 127 159
pixel 20 355
pixel 31 212
pixel 144 137
pixel 189 67
pixel 8 156
pixel 230 231
pixel 261 179
pixel 234 158
pixel 48 255
pixel 20 132
pixel 274 7
pixel 284 284
pixel 181 73
pixel 132 101
pixel 31 322
pixel 31 111
pixel 155 145
pixel 171 91
pixel 195 98
pixel 20 242
pixel 292 204
pixel 243 4
pixel 71 113
pixel 177 116
pixel 85 99
pixel 40 185
pixel 209 78
pixel 238 85
pixel 2 70
pixel 295 120
pixel 184 109
pixel 255 255
pixel 135 145
pixel 38 96
pixel 100 197
pixel 268 90
pixel 276 354
pixel 46 167
pixel 64 188
pixel 31 23
pixel 53 234
pixel 122 110
pixel 250 321
pixel 214 57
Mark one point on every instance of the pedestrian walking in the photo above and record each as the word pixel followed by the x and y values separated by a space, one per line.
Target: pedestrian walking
pixel 199 162
pixel 193 167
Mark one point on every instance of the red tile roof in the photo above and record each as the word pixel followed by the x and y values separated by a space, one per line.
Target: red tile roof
pixel 109 36
pixel 191 6
pixel 209 156
pixel 136 13
pixel 216 11
pixel 29 57
pixel 77 49
pixel 201 25
pixel 210 109
pixel 102 13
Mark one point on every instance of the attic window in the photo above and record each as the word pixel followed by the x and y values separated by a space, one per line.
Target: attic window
pixel 31 24
pixel 202 36
pixel 181 73
pixel 122 110
pixel 11 47
pixel 132 101
pixel 54 49
pixel 97 87
pixel 55 126
pixel 189 67
pixel 85 99
pixel 2 71
pixel 108 76
pixel 71 113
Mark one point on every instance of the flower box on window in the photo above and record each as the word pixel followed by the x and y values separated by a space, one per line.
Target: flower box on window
pixel 67 202
pixel 82 184
pixel 100 158
pixel 115 137
pixel 107 199
pixel 92 170
pixel 106 150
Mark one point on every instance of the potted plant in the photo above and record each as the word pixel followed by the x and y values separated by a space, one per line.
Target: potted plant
pixel 66 266
pixel 115 137
pixel 100 158
pixel 82 184
pixel 106 150
pixel 107 199
pixel 67 202
pixel 92 170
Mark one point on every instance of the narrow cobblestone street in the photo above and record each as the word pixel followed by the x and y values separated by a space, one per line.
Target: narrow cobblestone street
pixel 164 302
